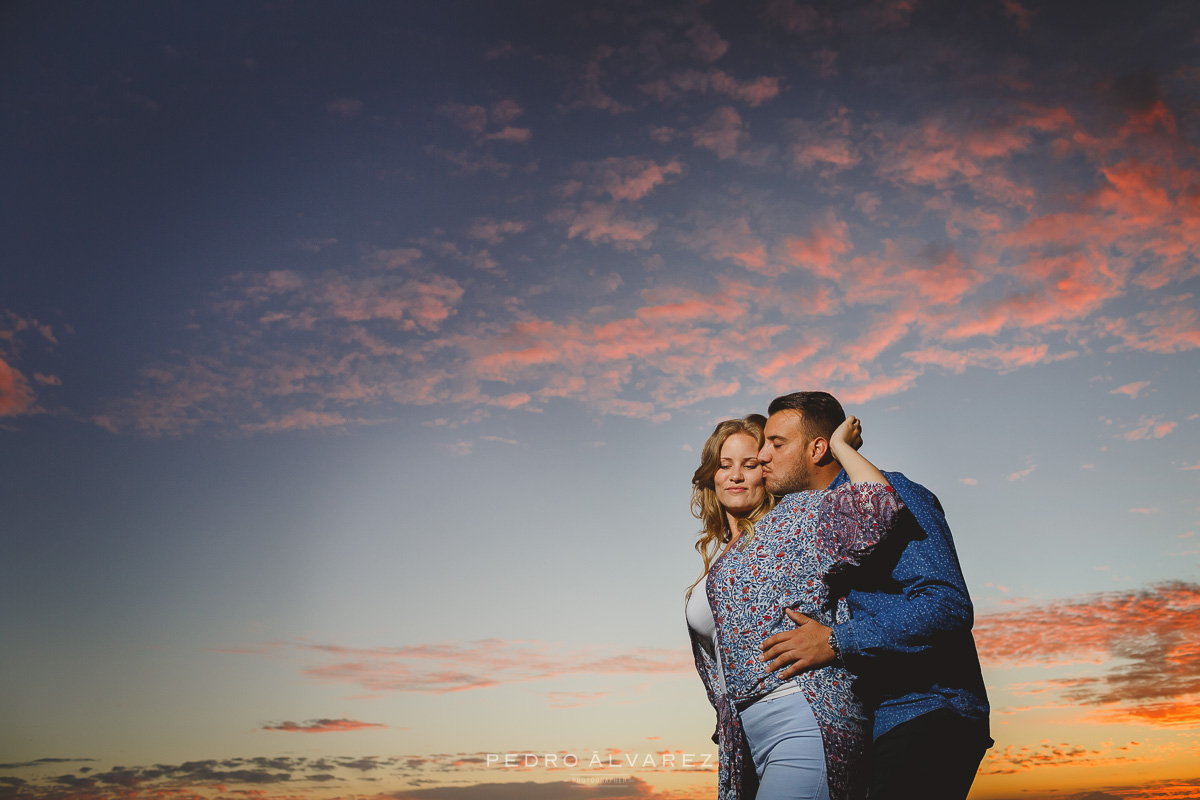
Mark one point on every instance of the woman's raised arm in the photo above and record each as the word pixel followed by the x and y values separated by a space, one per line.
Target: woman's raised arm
pixel 842 443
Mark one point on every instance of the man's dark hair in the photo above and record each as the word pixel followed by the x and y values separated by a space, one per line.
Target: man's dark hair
pixel 820 412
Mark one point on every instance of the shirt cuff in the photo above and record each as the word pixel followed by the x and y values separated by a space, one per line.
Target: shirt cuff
pixel 846 639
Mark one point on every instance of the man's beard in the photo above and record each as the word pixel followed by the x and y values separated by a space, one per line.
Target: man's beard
pixel 797 479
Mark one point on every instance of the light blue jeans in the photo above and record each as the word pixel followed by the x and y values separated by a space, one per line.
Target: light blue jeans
pixel 786 745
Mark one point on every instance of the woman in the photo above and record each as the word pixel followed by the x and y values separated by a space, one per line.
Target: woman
pixel 805 737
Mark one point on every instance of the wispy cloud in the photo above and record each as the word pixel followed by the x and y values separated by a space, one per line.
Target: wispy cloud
pixel 870 249
pixel 17 395
pixel 1021 474
pixel 752 92
pixel 322 726
pixel 1154 427
pixel 345 106
pixel 588 91
pixel 1131 390
pixel 1151 669
pixel 455 667
pixel 1022 758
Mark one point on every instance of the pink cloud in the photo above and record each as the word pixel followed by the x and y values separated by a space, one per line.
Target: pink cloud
pixel 1020 15
pixel 709 46
pixel 1174 329
pixel 513 400
pixel 1021 474
pixel 735 241
pixel 811 149
pixel 495 231
pixel 752 92
pixel 453 667
pixel 779 365
pixel 1056 288
pixel 470 118
pixel 470 161
pixel 302 301
pixel 505 111
pixel 510 134
pixel 1001 357
pixel 630 178
pixel 475 119
pixel 588 92
pixel 1149 428
pixel 941 153
pixel 12 326
pixel 323 726
pixel 346 106
pixel 16 396
pixel 724 133
pixel 1131 390
pixel 314 245
pixel 826 59
pixel 795 17
pixel 818 252
pixel 1025 279
pixel 604 224
pixel 892 14
pixel 298 420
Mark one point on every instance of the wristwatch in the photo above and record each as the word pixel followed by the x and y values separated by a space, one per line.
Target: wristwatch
pixel 833 645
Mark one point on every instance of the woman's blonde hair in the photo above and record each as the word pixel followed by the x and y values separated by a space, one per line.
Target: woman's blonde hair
pixel 705 506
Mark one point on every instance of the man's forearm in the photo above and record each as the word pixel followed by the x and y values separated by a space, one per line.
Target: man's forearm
pixel 907 624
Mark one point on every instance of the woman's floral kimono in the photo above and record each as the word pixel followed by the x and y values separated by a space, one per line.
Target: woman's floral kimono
pixel 803 541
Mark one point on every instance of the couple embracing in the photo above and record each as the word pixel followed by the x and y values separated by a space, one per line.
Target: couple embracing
pixel 831 625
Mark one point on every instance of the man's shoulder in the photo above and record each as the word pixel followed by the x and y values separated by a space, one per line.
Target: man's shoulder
pixel 912 493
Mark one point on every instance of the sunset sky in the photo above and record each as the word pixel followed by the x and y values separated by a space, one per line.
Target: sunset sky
pixel 355 359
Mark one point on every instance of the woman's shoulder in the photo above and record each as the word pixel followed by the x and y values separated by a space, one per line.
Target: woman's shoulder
pixel 791 504
pixel 806 497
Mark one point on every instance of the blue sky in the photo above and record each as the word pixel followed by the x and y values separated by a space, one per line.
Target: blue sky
pixel 354 362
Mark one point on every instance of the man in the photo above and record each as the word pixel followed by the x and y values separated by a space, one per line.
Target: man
pixel 908 635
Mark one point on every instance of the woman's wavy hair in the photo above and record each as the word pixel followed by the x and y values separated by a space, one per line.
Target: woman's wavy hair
pixel 705 506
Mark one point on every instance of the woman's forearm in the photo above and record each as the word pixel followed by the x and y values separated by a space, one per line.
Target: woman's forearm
pixel 858 468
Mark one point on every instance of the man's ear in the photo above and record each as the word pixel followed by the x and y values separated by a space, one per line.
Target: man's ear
pixel 818 449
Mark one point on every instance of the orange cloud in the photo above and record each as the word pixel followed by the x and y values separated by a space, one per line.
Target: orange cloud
pixel 628 178
pixel 1173 329
pixel 1149 428
pixel 604 224
pixel 818 252
pixel 1014 759
pixel 1029 276
pixel 1152 667
pixel 495 231
pixel 453 667
pixel 587 91
pixel 346 106
pixel 1000 357
pixel 322 726
pixel 724 133
pixel 1131 390
pixel 16 395
pixel 752 92
pixel 735 241
pixel 1020 15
